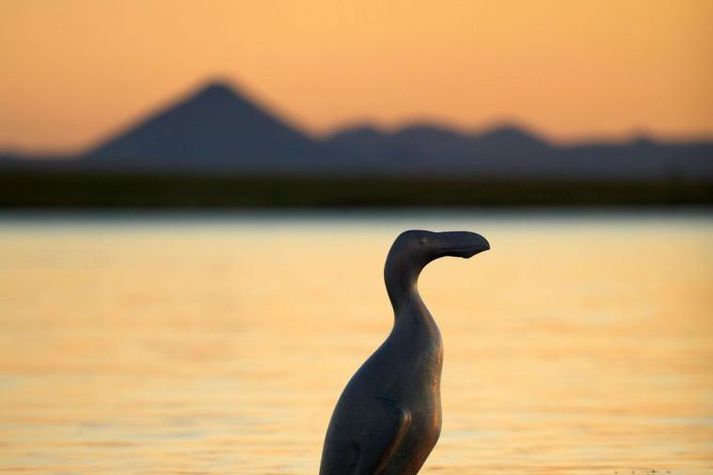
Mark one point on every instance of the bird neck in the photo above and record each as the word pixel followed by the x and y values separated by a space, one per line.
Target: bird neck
pixel 401 278
pixel 412 320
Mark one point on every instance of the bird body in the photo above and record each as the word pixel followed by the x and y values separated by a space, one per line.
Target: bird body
pixel 388 418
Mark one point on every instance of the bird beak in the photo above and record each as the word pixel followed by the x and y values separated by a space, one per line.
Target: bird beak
pixel 463 244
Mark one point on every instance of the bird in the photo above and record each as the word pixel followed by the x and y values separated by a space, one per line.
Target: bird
pixel 388 417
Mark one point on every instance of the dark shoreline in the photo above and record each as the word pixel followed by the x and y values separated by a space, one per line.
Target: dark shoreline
pixel 117 191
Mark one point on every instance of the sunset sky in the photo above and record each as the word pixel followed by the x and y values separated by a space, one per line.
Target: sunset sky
pixel 73 72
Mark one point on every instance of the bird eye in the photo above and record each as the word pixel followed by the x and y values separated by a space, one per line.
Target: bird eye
pixel 422 241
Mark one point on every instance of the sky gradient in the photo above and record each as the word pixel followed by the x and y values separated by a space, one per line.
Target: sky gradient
pixel 75 71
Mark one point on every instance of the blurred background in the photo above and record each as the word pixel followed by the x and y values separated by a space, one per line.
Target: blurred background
pixel 196 200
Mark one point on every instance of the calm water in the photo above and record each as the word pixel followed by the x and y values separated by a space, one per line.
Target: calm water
pixel 181 345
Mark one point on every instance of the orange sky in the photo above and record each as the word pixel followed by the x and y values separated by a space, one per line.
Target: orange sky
pixel 73 71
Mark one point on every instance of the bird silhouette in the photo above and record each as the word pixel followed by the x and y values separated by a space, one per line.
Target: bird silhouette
pixel 388 417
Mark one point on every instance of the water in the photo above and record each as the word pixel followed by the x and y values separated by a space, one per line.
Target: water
pixel 186 344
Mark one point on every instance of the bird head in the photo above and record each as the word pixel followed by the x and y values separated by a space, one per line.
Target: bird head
pixel 421 247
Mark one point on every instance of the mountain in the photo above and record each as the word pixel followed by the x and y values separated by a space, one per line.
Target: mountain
pixel 434 149
pixel 219 131
pixel 510 152
pixel 214 130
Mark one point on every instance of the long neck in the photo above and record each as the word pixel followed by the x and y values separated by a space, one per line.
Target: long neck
pixel 412 320
pixel 401 277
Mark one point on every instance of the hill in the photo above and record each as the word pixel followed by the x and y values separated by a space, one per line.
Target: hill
pixel 510 152
pixel 213 130
pixel 216 146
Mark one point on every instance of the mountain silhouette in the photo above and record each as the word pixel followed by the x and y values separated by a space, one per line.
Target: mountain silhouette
pixel 214 129
pixel 510 152
pixel 218 130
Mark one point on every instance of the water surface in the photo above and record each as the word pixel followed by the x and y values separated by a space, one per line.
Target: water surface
pixel 160 344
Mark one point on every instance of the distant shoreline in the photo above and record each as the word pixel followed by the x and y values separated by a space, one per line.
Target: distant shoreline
pixel 20 189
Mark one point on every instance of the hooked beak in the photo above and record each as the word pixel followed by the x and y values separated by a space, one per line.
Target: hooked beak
pixel 463 244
